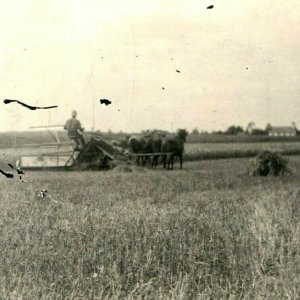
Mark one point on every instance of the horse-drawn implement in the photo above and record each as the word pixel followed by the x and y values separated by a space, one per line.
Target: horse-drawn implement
pixel 96 154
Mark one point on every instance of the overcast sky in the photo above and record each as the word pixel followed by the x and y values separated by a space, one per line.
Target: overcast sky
pixel 238 62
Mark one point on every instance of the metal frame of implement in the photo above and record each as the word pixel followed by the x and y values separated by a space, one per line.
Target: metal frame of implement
pixel 51 159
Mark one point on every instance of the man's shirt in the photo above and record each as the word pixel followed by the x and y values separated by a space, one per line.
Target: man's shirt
pixel 73 125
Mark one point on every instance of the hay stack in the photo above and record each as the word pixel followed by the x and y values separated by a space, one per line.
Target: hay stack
pixel 268 163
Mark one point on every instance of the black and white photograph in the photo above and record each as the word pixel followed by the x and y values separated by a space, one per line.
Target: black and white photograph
pixel 149 149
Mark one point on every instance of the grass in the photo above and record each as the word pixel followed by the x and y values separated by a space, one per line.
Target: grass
pixel 193 151
pixel 207 232
pixel 223 138
pixel 203 151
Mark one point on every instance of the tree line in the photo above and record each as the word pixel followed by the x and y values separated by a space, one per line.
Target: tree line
pixel 250 129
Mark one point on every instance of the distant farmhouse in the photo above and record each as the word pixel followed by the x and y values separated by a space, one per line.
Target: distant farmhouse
pixel 282 131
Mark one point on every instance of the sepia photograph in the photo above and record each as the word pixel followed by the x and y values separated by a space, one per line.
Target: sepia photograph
pixel 149 149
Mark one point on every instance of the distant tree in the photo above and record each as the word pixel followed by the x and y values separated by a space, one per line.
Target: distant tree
pixel 268 127
pixel 195 131
pixel 250 127
pixel 218 132
pixel 295 126
pixel 258 131
pixel 234 130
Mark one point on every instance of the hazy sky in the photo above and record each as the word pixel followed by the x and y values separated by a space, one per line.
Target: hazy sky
pixel 238 62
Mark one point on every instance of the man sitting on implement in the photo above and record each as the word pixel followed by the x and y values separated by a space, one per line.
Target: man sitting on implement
pixel 75 131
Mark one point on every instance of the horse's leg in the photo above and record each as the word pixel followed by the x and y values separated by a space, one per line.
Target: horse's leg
pixel 169 161
pixel 156 160
pixel 164 161
pixel 153 161
pixel 143 160
pixel 147 160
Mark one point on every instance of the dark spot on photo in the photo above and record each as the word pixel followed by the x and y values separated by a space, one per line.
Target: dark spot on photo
pixel 7 101
pixel 210 7
pixel 20 171
pixel 177 71
pixel 105 101
pixel 7 175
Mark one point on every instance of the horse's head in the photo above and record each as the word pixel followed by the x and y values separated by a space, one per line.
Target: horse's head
pixel 182 134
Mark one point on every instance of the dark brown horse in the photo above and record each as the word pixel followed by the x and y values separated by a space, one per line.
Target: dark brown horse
pixel 136 145
pixel 173 145
pixel 149 144
pixel 153 146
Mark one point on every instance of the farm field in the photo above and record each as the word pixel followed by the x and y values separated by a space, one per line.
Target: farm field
pixel 8 139
pixel 193 151
pixel 280 146
pixel 224 138
pixel 209 232
pixel 230 150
